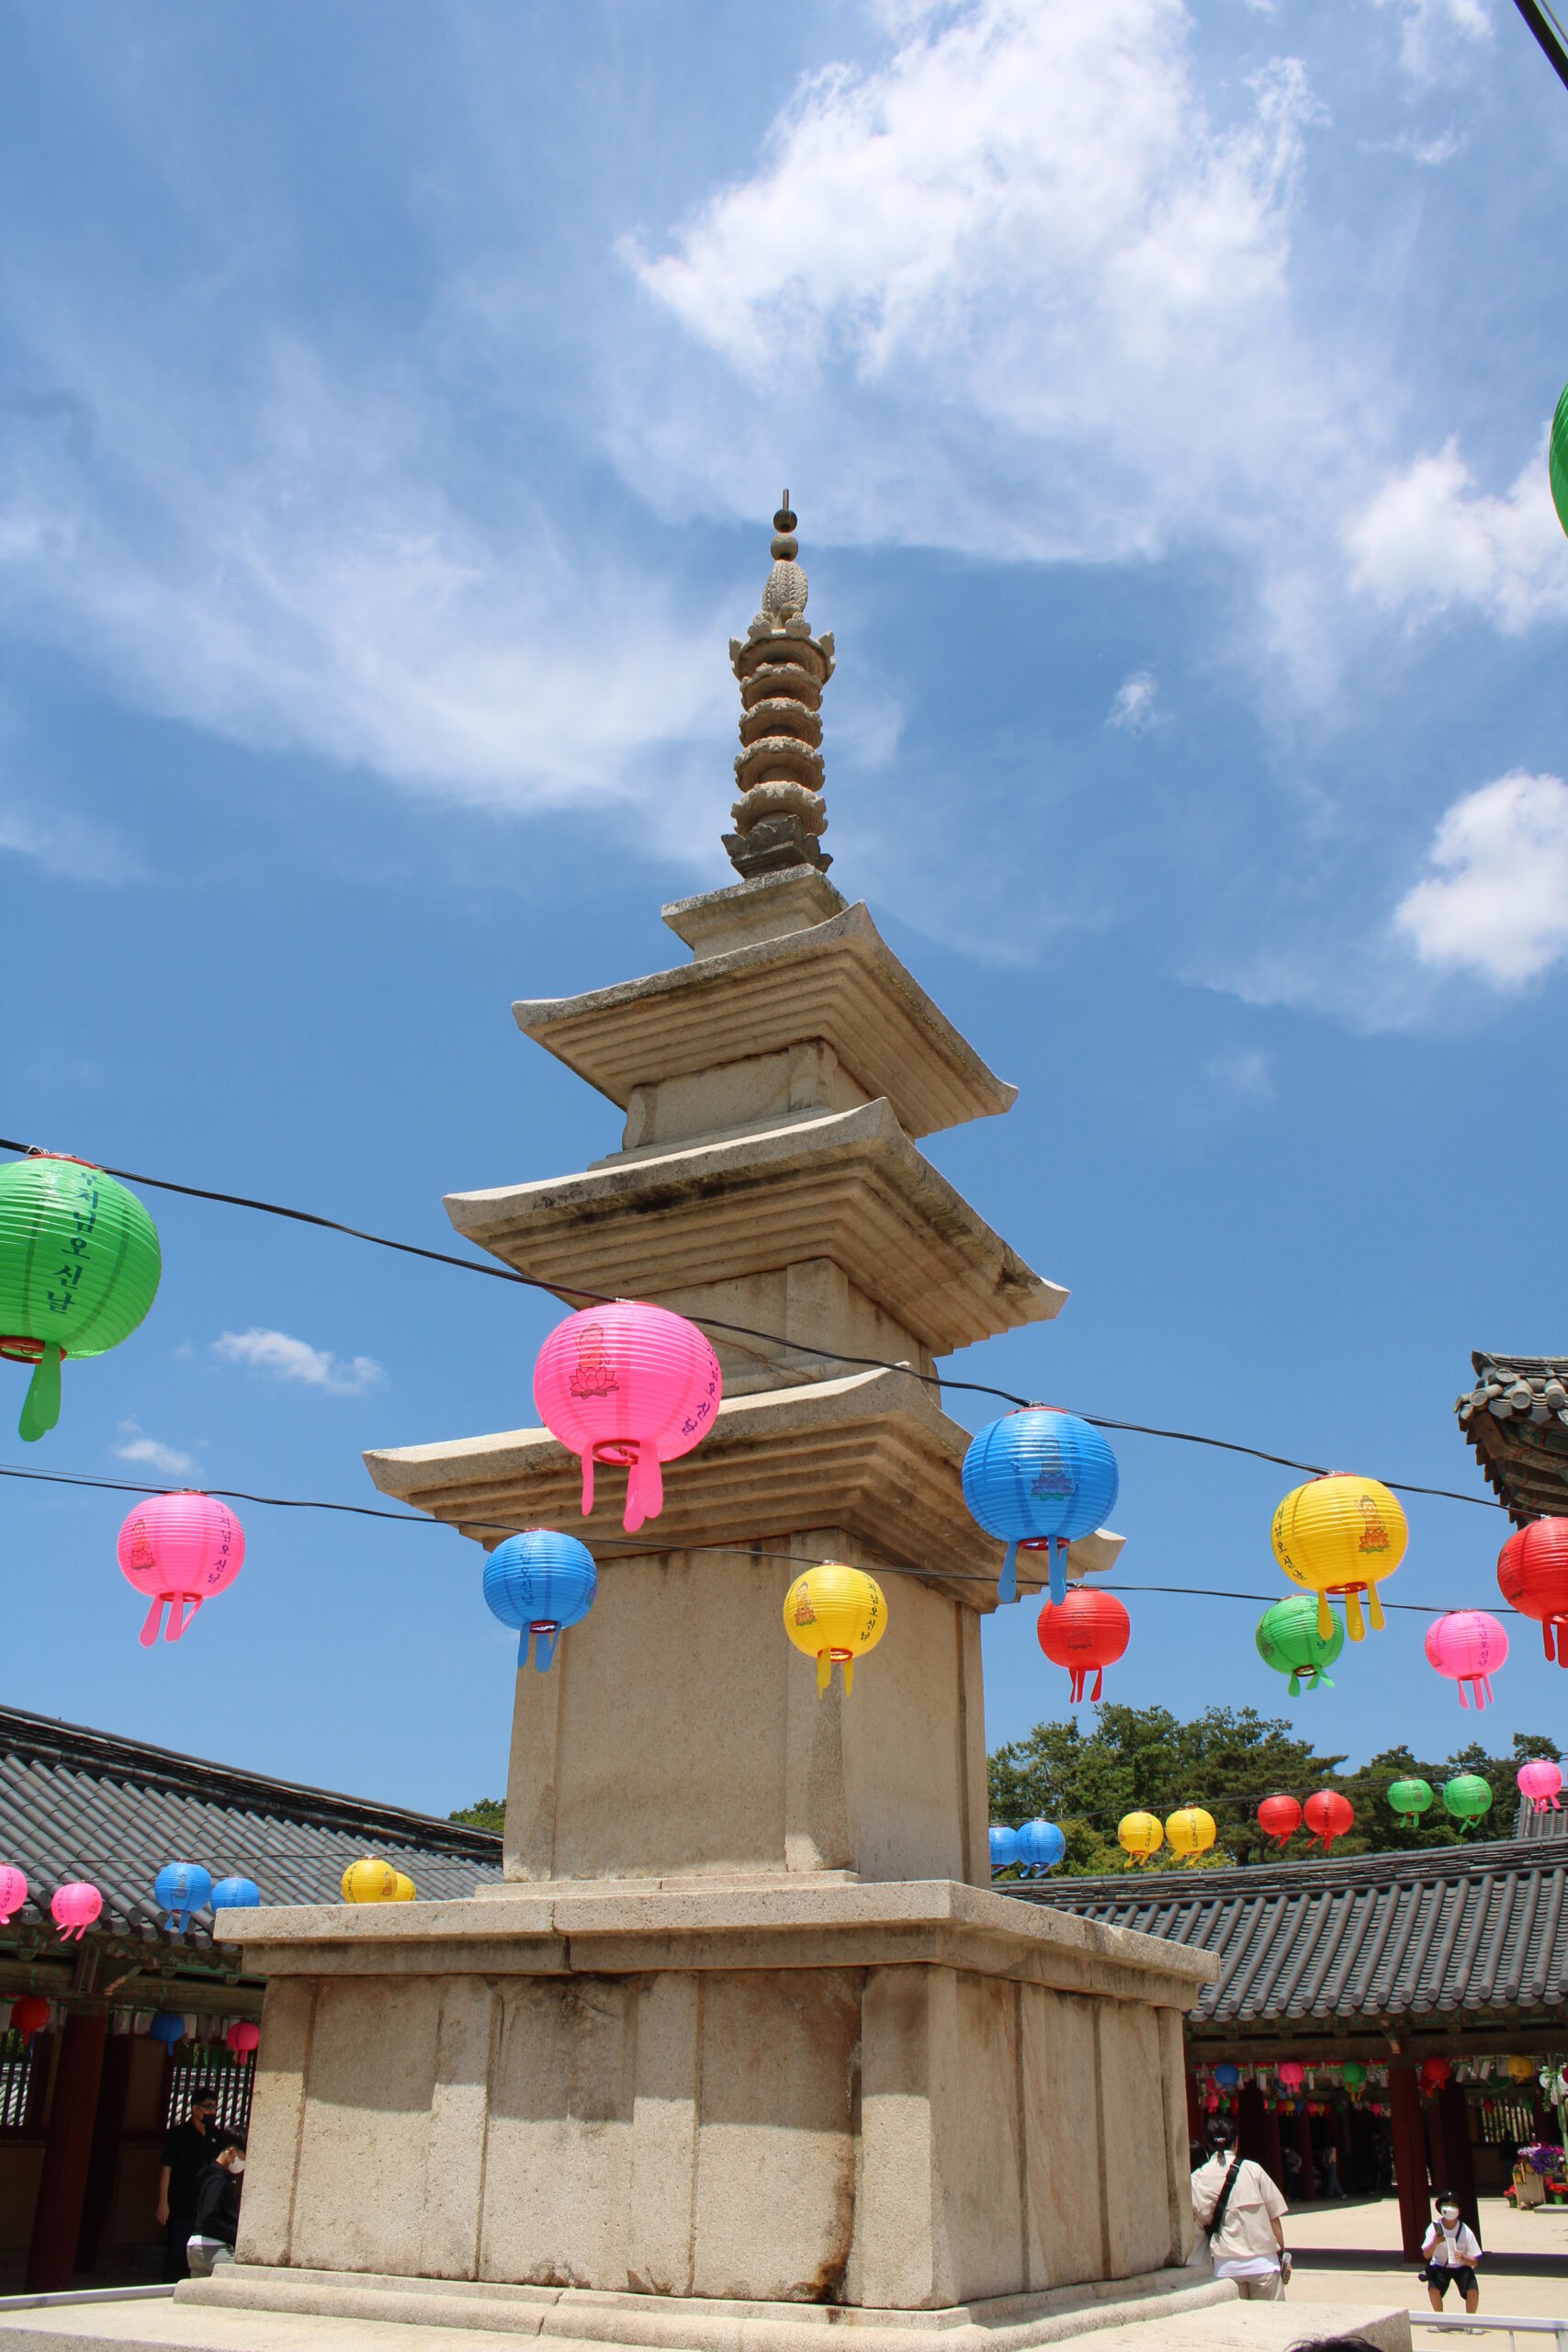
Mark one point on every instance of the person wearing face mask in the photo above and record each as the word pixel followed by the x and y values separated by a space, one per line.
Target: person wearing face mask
pixel 1451 2251
pixel 218 2207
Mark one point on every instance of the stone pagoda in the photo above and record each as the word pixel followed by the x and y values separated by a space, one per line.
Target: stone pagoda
pixel 745 2041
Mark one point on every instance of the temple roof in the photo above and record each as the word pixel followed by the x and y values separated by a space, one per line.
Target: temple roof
pixel 1515 1417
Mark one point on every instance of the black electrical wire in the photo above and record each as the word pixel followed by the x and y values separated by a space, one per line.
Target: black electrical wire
pixel 735 1330
pixel 1543 22
pixel 628 1543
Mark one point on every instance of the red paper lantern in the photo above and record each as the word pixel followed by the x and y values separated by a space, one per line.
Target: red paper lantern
pixel 1279 1818
pixel 1532 1575
pixel 1435 2073
pixel 1328 1816
pixel 242 2036
pixel 29 2014
pixel 1086 1632
pixel 1292 2073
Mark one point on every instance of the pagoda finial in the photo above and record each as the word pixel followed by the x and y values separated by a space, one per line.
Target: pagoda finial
pixel 779 816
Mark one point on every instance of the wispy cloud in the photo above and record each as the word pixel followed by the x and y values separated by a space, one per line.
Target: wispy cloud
pixel 1133 708
pixel 1429 539
pixel 1437 38
pixel 1495 901
pixel 1244 1073
pixel 290 1359
pixel 150 1451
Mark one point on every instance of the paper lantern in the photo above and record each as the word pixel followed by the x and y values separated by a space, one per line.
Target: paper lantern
pixel 1279 1818
pixel 242 2036
pixel 1139 1835
pixel 13 1891
pixel 1289 1641
pixel 370 1880
pixel 1557 459
pixel 538 1584
pixel 1518 2069
pixel 1004 1847
pixel 631 1385
pixel 1086 1632
pixel 181 1548
pixel 1042 1478
pixel 1532 1575
pixel 1190 1831
pixel 835 1613
pixel 1408 1800
pixel 79 1268
pixel 182 1888
pixel 1435 2073
pixel 1467 1796
pixel 1355 2077
pixel 74 1907
pixel 1327 1815
pixel 1468 1646
pixel 1540 1781
pixel 236 1895
pixel 29 2014
pixel 167 2028
pixel 405 1890
pixel 1291 2074
pixel 1041 1845
pixel 1340 1536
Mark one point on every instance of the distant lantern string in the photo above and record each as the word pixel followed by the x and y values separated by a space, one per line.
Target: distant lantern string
pixel 735 1330
pixel 621 1544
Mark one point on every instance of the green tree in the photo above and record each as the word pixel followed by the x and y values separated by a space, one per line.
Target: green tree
pixel 489 1813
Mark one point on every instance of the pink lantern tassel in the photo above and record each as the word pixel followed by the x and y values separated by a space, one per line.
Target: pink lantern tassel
pixel 150 1622
pixel 183 1607
pixel 587 1480
pixel 645 1488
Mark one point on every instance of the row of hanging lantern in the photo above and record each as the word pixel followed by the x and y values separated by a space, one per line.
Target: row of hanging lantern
pixel 33 2013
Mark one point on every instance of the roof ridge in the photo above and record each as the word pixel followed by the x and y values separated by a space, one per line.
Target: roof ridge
pixel 105 1753
pixel 1402 1863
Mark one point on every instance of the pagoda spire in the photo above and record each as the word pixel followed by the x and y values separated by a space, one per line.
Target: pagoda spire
pixel 779 817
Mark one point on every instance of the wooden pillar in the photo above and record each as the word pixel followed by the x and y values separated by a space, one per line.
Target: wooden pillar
pixel 1451 2109
pixel 67 2148
pixel 1252 2127
pixel 108 2127
pixel 1409 2158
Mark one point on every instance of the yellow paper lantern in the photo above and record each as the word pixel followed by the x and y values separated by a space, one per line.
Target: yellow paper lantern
pixel 1139 1836
pixel 835 1613
pixel 373 1880
pixel 1190 1831
pixel 1341 1536
pixel 406 1889
pixel 1519 2070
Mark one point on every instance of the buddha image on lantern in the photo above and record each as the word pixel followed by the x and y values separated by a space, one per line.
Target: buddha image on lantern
pixel 1374 1534
pixel 595 1374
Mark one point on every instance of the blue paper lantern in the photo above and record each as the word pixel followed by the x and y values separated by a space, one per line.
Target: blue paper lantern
pixel 540 1583
pixel 1039 1476
pixel 236 1895
pixel 167 2028
pixel 1041 1845
pixel 1004 1847
pixel 1226 2075
pixel 182 1888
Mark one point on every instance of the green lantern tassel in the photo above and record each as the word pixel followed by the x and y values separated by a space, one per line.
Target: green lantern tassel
pixel 40 1405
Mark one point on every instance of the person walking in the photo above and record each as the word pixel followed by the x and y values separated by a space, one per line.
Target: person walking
pixel 187 2152
pixel 218 2207
pixel 1234 2200
pixel 1333 2186
pixel 1450 2250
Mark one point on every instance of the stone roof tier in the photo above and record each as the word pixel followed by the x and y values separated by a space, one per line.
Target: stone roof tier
pixel 1515 1417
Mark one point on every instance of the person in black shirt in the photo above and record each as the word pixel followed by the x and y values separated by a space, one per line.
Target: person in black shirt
pixel 187 2152
pixel 218 2206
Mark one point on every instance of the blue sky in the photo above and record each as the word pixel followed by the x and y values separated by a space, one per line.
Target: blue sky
pixel 391 407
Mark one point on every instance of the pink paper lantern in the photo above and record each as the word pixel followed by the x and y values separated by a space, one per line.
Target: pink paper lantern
pixel 13 1891
pixel 1292 2073
pixel 242 2036
pixel 1468 1646
pixel 181 1549
pixel 627 1383
pixel 75 1906
pixel 1539 1781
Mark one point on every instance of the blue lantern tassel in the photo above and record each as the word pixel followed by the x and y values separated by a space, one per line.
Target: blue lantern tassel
pixel 1007 1588
pixel 1058 1549
pixel 545 1642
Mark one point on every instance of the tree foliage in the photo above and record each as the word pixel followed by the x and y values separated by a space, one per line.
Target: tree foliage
pixel 489 1813
pixel 1226 1760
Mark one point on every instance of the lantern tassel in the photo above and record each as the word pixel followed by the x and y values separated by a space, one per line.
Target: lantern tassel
pixel 150 1623
pixel 545 1640
pixel 1295 1685
pixel 587 1480
pixel 1375 1609
pixel 1463 1701
pixel 1325 1619
pixel 823 1672
pixel 183 1607
pixel 1354 1625
pixel 1099 1686
pixel 1006 1584
pixel 1057 1547
pixel 645 1488
pixel 40 1405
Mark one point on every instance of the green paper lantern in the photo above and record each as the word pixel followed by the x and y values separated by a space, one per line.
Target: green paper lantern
pixel 1557 460
pixel 1289 1641
pixel 79 1268
pixel 1411 1799
pixel 1467 1796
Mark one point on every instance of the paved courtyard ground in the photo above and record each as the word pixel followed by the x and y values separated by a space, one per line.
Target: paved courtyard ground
pixel 1351 2254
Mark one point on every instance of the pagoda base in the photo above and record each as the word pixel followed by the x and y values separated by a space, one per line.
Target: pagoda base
pixel 880 2098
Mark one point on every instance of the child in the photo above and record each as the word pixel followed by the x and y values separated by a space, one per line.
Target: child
pixel 1452 2251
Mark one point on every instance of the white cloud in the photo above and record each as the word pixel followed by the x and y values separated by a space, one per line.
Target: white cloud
pixel 1244 1073
pixel 1496 902
pixel 1430 539
pixel 152 1451
pixel 290 1359
pixel 1434 34
pixel 1132 706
